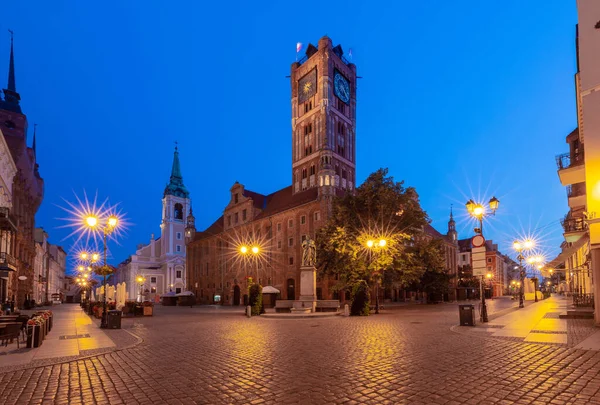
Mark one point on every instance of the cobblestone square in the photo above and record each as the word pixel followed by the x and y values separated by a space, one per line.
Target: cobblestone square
pixel 410 354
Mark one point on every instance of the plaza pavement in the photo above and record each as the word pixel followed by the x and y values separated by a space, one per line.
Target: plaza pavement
pixel 413 354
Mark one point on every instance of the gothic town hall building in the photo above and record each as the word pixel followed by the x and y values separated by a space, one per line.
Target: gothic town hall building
pixel 270 228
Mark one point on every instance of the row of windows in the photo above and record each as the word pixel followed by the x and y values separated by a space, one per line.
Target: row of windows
pixel 236 217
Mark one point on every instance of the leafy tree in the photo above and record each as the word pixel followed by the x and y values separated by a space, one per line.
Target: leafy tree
pixel 256 299
pixel 360 299
pixel 381 208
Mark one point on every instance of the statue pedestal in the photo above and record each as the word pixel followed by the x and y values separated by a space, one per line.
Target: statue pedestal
pixel 308 289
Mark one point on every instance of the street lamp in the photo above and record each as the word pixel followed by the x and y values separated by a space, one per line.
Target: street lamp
pixel 255 251
pixel 520 247
pixel 535 262
pixel 140 279
pixel 479 211
pixel 86 259
pixel 93 223
pixel 371 244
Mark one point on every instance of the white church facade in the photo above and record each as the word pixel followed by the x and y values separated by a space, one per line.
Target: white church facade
pixel 161 262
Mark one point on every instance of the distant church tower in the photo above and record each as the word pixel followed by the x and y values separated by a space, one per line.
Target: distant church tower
pixel 323 120
pixel 176 206
pixel 452 234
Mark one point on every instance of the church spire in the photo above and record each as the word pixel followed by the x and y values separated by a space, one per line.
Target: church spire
pixel 175 186
pixel 11 97
pixel 33 146
pixel 11 67
pixel 452 234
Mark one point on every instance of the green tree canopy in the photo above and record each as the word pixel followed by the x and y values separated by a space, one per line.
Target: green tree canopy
pixel 380 209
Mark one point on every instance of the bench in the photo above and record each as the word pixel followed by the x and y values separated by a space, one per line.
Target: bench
pixel 328 306
pixel 283 305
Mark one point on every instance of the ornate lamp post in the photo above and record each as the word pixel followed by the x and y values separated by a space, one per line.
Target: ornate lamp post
pixel 246 251
pixel 520 247
pixel 140 280
pixel 479 211
pixel 371 245
pixel 112 222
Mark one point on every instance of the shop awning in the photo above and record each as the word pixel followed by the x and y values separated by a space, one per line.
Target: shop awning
pixel 270 290
pixel 567 252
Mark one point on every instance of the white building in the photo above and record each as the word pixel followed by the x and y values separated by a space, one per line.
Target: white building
pixel 162 261
pixel 49 266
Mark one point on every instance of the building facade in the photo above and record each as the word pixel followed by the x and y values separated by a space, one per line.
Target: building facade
pixel 18 255
pixel 161 262
pixel 323 100
pixel 579 170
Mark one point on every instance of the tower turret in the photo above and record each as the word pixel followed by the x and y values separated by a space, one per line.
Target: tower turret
pixel 452 234
pixel 190 227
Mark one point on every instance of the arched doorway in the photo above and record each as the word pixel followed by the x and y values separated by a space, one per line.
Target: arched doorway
pixel 236 295
pixel 291 289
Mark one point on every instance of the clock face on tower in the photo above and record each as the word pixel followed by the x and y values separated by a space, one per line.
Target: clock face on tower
pixel 341 87
pixel 307 86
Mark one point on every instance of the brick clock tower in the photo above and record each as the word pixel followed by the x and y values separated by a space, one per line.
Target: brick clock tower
pixel 323 120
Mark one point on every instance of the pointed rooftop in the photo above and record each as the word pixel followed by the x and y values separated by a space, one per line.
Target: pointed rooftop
pixel 11 97
pixel 175 186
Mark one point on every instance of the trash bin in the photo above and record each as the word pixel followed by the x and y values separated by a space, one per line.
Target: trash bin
pixel 113 320
pixel 467 315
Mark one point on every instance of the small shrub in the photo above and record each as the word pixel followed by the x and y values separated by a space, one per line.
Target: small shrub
pixel 255 299
pixel 361 299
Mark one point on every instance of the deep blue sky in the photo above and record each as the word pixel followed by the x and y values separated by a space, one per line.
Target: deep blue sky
pixel 459 99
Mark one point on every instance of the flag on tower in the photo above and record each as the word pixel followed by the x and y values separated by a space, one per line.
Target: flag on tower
pixel 298 47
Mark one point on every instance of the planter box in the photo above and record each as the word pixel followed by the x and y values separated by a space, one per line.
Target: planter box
pixel 148 311
pixel 34 336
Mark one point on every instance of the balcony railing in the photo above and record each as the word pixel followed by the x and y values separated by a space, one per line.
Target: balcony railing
pixel 567 160
pixel 573 224
pixel 7 262
pixel 583 300
pixel 576 190
pixel 7 220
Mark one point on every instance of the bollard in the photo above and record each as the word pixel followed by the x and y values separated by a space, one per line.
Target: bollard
pixel 248 311
pixel 346 310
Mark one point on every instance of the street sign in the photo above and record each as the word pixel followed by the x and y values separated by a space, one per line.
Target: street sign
pixel 478 241
pixel 478 258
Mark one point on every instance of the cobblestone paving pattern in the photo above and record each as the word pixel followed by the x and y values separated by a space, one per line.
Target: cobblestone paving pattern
pixel 404 356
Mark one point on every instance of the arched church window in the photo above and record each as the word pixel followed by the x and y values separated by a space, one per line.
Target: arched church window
pixel 178 212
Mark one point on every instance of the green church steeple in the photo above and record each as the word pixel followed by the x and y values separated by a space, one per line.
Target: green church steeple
pixel 175 186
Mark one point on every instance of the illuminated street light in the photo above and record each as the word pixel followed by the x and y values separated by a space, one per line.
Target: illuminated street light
pixel 520 247
pixel 108 228
pixel 244 249
pixel 478 211
pixel 255 250
pixel 371 245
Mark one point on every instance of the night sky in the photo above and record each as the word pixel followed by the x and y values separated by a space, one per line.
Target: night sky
pixel 460 99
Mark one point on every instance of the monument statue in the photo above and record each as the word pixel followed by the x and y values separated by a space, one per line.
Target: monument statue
pixel 309 252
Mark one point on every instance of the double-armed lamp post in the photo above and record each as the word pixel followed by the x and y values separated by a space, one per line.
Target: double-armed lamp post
pixel 253 252
pixel 107 228
pixel 520 247
pixel 479 211
pixel 372 245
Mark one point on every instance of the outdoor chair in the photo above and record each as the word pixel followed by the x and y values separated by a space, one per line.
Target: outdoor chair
pixel 11 331
pixel 23 319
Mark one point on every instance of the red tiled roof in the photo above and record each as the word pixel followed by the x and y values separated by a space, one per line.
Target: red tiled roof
pixel 258 200
pixel 432 231
pixel 279 201
pixel 284 200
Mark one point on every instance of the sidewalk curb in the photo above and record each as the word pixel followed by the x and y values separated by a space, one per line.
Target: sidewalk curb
pixel 64 360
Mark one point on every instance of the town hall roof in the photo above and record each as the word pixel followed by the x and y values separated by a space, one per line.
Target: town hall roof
pixel 274 203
